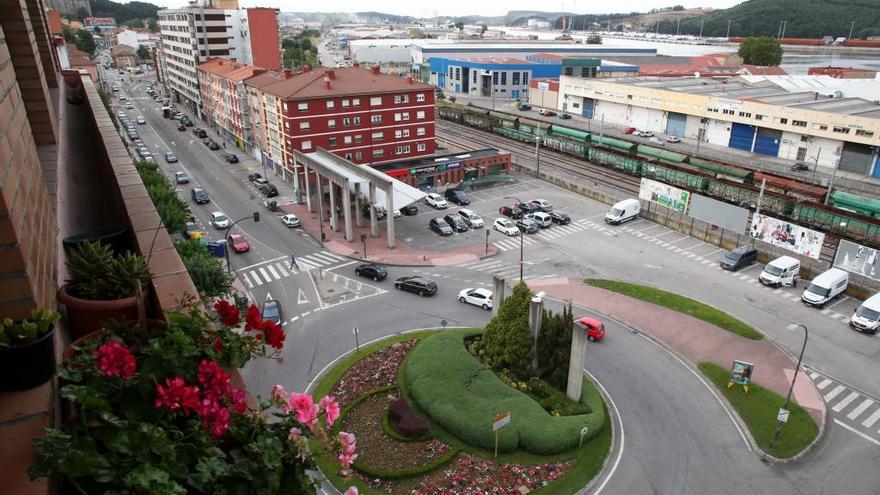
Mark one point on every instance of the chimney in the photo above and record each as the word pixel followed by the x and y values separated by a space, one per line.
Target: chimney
pixel 375 70
pixel 326 82
pixel 331 74
pixel 409 80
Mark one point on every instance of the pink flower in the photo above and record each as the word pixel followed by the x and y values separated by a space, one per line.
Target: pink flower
pixel 238 398
pixel 331 408
pixel 352 490
pixel 295 433
pixel 215 418
pixel 348 441
pixel 281 397
pixel 177 396
pixel 346 460
pixel 114 359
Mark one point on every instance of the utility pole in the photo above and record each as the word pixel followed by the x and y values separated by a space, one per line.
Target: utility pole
pixel 831 184
pixel 728 29
pixel 537 156
pixel 677 25
pixel 813 178
pixel 851 26
pixel 784 25
pixel 701 28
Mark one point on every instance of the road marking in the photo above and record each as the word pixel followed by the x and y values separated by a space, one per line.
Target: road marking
pixel 281 269
pixel 264 274
pixel 871 419
pixel 834 393
pixel 256 277
pixel 622 434
pixel 343 265
pixel 850 428
pixel 273 272
pixel 301 298
pixel 855 413
pixel 814 375
pixel 840 406
pixel 838 302
pixel 263 262
pixel 823 384
pixel 713 252
pixel 247 281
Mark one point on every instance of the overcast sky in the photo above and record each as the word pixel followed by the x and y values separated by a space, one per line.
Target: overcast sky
pixel 465 7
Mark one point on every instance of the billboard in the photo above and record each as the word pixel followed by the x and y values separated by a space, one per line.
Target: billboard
pixel 715 212
pixel 787 235
pixel 858 259
pixel 664 195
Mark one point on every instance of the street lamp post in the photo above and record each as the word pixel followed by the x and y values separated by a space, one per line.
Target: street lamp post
pixel 364 240
pixel 521 236
pixel 487 240
pixel 255 217
pixel 791 328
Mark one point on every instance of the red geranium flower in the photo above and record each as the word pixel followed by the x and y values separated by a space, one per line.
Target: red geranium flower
pixel 114 359
pixel 253 319
pixel 228 313
pixel 215 382
pixel 176 395
pixel 215 418
pixel 273 334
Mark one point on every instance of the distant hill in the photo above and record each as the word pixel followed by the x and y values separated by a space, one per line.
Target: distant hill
pixel 806 19
pixel 124 11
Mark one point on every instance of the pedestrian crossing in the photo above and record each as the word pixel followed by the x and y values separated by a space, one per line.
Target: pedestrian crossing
pixel 552 233
pixel 852 409
pixel 504 269
pixel 272 270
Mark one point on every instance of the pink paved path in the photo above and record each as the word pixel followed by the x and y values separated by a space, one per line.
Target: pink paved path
pixel 695 340
pixel 377 248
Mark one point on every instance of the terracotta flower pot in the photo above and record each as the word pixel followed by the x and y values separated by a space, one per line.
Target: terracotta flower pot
pixel 28 366
pixel 85 316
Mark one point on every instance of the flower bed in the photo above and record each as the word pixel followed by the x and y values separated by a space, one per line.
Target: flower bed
pixel 379 369
pixel 470 475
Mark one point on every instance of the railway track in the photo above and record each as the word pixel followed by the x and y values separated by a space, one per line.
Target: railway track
pixel 467 136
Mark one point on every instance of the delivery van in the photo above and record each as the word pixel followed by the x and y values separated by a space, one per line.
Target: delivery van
pixel 826 287
pixel 622 211
pixel 867 316
pixel 781 272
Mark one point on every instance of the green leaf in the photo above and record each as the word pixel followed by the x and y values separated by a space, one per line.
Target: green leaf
pixel 153 480
pixel 208 471
pixel 86 396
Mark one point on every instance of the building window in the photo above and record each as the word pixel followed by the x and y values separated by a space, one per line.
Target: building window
pixel 285 107
pixel 345 103
pixel 303 126
pixel 306 145
pixel 302 107
pixel 758 116
pixel 494 77
pixel 799 123
pixel 398 98
pixel 378 136
pixel 376 119
pixel 405 115
pixel 504 78
pixel 864 133
pixel 348 156
pixel 421 96
pixel 330 104
pixel 358 156
pixel 745 114
pixel 398 134
pixel 568 71
pixel 287 125
pixel 356 121
pixel 357 138
pixel 405 133
pixel 331 123
pixel 401 150
pixel 378 153
pixel 420 131
pixel 841 130
pixel 333 141
pixel 727 111
pixel 355 102
pixel 397 117
pixel 525 78
pixel 420 147
pixel 346 121
pixel 420 114
pixel 515 78
pixel 375 101
pixel 346 139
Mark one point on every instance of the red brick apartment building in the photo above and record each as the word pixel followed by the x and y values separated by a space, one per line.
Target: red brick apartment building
pixel 360 114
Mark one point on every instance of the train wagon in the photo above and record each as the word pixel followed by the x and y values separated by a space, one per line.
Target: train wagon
pixel 791 187
pixel 856 204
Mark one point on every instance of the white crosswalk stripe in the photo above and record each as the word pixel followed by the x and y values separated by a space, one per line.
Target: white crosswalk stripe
pixel 871 419
pixel 834 393
pixel 273 272
pixel 281 269
pixel 840 406
pixel 264 274
pixel 859 409
pixel 256 278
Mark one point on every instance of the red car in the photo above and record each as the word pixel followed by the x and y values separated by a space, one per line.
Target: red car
pixel 239 243
pixel 595 328
pixel 629 130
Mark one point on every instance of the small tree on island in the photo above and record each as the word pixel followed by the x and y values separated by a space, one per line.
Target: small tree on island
pixel 507 342
pixel 762 50
pixel 554 346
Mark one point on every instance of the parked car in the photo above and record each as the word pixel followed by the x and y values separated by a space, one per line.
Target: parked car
pixel 200 133
pixel 219 220
pixel 181 127
pixel 656 140
pixel 133 135
pixel 410 210
pixel 290 220
pixel 211 144
pixel 456 222
pixel 509 211
pixel 646 134
pixel 418 285
pixel 170 157
pixel 738 258
pixel 673 139
pixel 436 201
pixel 543 205
pixel 129 106
pixel 141 120
pixel 269 190
pixel 200 196
pixel 471 218
pixel 523 107
pixel 630 130
pixel 239 243
pixel 564 116
pixel 527 226
pixel 192 231
pixel 542 219
pixel 457 196
pixel 181 178
pixel 478 297
pixel 230 157
pixel 271 311
pixel 122 97
pixel 547 113
pixel 800 167
pixel 440 226
pixel 505 226
pixel 528 207
pixel 559 217
pixel 595 328
pixel 371 270
pixel 257 179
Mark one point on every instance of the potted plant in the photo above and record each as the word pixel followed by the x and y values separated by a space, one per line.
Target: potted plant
pixel 102 286
pixel 159 413
pixel 27 350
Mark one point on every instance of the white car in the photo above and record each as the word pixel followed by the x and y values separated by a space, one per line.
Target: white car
pixel 219 220
pixel 506 227
pixel 436 201
pixel 673 139
pixel 646 134
pixel 290 220
pixel 656 140
pixel 141 120
pixel 543 205
pixel 477 297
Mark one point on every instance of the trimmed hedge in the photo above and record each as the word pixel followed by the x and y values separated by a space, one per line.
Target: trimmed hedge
pixel 392 433
pixel 391 474
pixel 460 394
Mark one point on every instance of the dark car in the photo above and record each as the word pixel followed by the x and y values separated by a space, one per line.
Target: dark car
pixel 181 127
pixel 372 271
pixel 458 197
pixel 211 144
pixel 269 190
pixel 528 207
pixel 800 167
pixel 271 311
pixel 200 196
pixel 527 226
pixel 200 133
pixel 559 217
pixel 564 116
pixel 514 213
pixel 738 258
pixel 410 210
pixel 230 157
pixel 456 222
pixel 257 179
pixel 440 226
pixel 418 285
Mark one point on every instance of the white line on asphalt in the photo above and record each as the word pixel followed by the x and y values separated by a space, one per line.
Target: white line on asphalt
pixel 749 268
pixel 273 272
pixel 342 265
pixel 859 409
pixel 823 384
pixel 857 432
pixel 840 406
pixel 247 281
pixel 260 263
pixel 844 298
pixel 834 393
pixel 622 434
pixel 713 252
pixel 281 269
pixel 256 277
pixel 871 419
pixel 264 274
pixel 814 375
pixel 694 246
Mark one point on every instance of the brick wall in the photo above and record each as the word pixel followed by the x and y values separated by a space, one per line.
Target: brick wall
pixel 27 224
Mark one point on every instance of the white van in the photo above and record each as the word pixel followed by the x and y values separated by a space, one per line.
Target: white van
pixel 781 272
pixel 867 316
pixel 622 211
pixel 471 218
pixel 542 219
pixel 825 287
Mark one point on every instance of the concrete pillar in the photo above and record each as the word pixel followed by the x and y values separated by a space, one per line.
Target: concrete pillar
pixel 358 216
pixel 346 212
pixel 498 294
pixel 334 218
pixel 374 222
pixel 320 204
pixel 308 190
pixel 389 219
pixel 576 362
pixel 536 312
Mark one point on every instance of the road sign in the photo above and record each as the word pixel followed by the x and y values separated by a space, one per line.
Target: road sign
pixel 500 420
pixel 782 416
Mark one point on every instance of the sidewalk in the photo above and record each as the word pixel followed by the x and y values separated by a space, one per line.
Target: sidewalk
pixel 693 339
pixel 377 247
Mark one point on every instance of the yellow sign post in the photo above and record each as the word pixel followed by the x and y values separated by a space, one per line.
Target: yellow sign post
pixel 497 422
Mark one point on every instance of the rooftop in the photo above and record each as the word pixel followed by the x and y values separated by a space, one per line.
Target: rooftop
pixel 496 60
pixel 229 70
pixel 438 159
pixel 344 81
